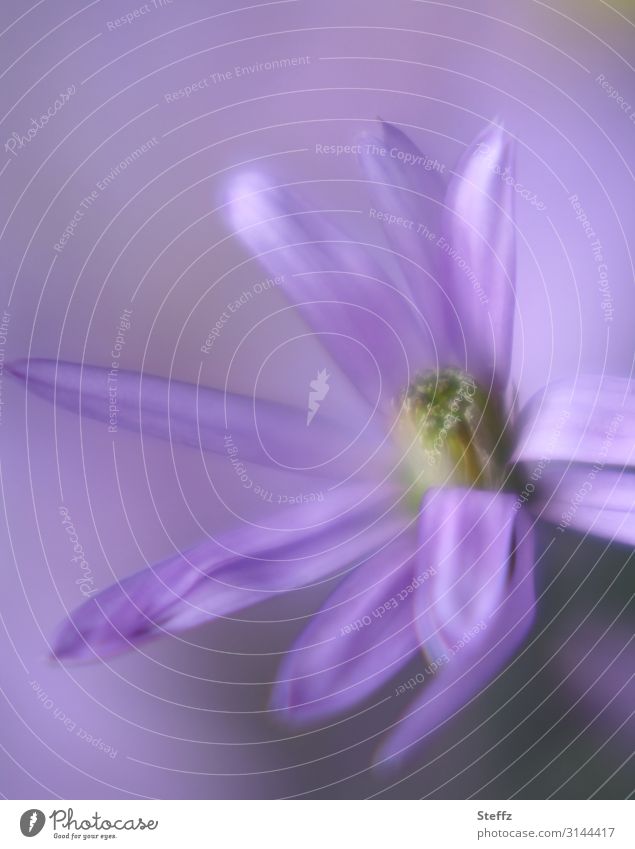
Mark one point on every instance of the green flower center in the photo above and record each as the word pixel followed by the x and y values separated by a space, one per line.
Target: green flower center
pixel 451 433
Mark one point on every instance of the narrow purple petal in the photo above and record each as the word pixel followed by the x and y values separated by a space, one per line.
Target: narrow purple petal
pixel 480 257
pixel 262 431
pixel 219 576
pixel 399 173
pixel 408 196
pixel 589 420
pixel 479 607
pixel 360 638
pixel 362 318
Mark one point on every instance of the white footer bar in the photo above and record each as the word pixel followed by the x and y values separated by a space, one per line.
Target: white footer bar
pixel 318 824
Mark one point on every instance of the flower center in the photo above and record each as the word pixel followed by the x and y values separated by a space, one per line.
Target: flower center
pixel 451 433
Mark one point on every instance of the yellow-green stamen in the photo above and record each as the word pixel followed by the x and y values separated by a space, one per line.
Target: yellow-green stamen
pixel 450 433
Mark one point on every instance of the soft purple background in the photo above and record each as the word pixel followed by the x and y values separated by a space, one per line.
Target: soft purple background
pixel 187 718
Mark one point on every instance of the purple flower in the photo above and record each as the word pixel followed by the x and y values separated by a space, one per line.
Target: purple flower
pixel 430 508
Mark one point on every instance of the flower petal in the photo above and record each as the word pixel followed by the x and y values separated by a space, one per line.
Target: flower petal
pixel 402 184
pixel 478 607
pixel 360 638
pixel 218 577
pixel 262 431
pixel 591 499
pixel 480 257
pixel 365 321
pixel 589 420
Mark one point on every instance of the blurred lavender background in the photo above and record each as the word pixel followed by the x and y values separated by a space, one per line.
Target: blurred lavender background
pixel 114 238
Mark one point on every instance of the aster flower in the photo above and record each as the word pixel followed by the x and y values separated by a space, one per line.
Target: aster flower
pixel 430 512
